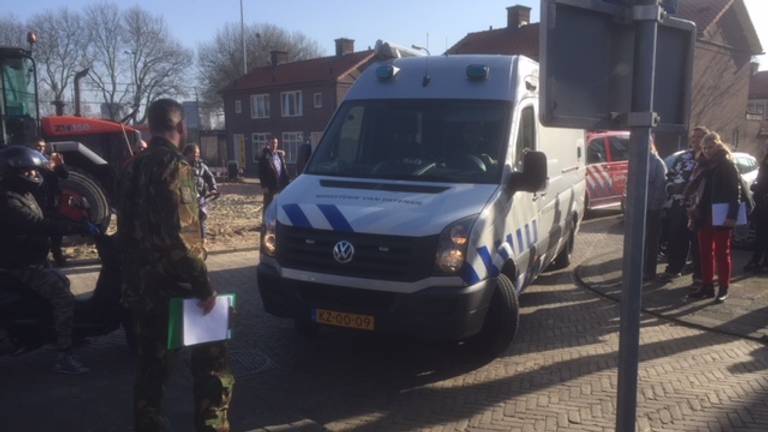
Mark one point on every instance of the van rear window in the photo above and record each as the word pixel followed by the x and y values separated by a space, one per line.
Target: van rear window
pixel 426 140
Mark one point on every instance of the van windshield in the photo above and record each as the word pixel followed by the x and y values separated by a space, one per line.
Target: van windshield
pixel 455 141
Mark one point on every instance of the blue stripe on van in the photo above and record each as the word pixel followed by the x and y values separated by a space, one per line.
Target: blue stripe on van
pixel 528 235
pixel 511 242
pixel 535 232
pixel 296 216
pixel 335 218
pixel 503 253
pixel 490 267
pixel 520 246
pixel 469 275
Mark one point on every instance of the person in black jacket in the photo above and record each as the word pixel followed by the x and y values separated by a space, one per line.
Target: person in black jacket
pixel 48 194
pixel 205 183
pixel 759 261
pixel 272 172
pixel 716 182
pixel 25 233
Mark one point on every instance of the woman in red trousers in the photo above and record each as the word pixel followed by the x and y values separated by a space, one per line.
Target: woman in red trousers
pixel 715 190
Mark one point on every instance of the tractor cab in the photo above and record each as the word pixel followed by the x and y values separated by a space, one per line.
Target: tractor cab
pixel 19 112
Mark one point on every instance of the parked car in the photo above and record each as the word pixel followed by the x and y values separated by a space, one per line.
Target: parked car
pixel 607 167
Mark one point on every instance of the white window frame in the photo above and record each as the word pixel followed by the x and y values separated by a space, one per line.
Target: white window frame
pixel 258 141
pixel 298 101
pixel 238 106
pixel 757 110
pixel 317 100
pixel 291 142
pixel 260 106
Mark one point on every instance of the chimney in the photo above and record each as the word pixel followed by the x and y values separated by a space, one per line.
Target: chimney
pixel 344 46
pixel 275 57
pixel 518 16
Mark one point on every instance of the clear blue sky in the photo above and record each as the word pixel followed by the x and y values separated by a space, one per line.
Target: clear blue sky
pixel 401 21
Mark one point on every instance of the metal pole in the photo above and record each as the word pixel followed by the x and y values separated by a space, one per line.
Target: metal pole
pixel 635 216
pixel 242 39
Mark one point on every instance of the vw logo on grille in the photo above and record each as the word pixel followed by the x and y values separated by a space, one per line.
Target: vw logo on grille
pixel 343 252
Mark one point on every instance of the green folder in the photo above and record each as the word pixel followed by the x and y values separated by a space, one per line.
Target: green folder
pixel 176 321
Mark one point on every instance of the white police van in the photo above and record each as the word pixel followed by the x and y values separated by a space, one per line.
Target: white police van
pixel 434 197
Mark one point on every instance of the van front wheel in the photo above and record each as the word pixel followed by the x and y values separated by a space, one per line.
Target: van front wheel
pixel 502 319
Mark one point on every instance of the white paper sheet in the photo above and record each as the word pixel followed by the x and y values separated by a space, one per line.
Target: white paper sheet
pixel 199 328
pixel 720 212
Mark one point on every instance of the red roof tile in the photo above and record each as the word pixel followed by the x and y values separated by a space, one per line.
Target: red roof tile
pixel 702 12
pixel 312 70
pixel 523 40
pixel 758 86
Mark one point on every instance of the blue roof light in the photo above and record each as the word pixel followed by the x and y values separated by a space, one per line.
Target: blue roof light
pixel 478 72
pixel 386 72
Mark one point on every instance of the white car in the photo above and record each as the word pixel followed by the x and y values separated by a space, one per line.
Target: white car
pixel 745 163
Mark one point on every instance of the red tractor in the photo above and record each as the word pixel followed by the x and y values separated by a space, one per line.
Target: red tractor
pixel 94 150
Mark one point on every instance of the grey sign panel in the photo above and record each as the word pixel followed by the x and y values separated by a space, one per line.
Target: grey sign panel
pixel 586 54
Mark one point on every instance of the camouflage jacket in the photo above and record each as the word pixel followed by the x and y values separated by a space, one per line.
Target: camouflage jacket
pixel 159 229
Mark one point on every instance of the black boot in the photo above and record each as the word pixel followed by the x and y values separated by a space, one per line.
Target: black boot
pixel 705 291
pixel 722 294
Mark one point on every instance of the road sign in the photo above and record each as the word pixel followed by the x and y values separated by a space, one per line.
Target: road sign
pixel 587 55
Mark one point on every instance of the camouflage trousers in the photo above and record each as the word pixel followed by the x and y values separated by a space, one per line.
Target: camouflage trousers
pixel 53 287
pixel 212 385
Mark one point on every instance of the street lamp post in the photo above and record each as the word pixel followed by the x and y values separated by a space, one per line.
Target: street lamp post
pixel 242 39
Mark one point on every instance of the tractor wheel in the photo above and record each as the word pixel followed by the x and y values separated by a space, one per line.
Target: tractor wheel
pixel 82 197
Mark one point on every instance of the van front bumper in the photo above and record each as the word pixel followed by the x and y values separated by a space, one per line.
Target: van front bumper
pixel 434 312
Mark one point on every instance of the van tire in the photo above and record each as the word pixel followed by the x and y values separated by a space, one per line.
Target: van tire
pixel 501 320
pixel 564 258
pixel 83 184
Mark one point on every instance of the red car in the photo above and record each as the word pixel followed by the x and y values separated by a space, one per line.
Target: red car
pixel 607 166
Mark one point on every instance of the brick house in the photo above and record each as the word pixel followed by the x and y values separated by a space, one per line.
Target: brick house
pixel 757 113
pixel 291 101
pixel 726 42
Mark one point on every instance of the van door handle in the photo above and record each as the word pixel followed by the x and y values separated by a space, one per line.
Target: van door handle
pixel 537 195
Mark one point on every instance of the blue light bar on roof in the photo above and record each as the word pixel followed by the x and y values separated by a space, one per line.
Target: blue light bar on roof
pixel 386 72
pixel 478 72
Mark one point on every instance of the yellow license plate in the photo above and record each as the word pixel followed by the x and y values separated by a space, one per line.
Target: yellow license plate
pixel 342 319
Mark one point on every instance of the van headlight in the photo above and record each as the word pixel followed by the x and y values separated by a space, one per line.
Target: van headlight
pixel 269 234
pixel 452 245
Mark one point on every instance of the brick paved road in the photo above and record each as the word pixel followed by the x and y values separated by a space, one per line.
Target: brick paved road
pixel 560 375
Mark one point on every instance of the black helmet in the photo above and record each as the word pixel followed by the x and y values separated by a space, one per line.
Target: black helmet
pixel 16 160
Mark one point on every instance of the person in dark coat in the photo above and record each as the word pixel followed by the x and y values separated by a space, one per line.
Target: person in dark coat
pixel 205 182
pixel 716 181
pixel 681 239
pixel 759 261
pixel 657 173
pixel 48 193
pixel 272 172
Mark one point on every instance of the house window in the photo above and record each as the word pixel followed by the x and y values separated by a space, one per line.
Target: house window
pixel 238 106
pixel 317 100
pixel 291 103
pixel 258 141
pixel 260 106
pixel 291 143
pixel 756 110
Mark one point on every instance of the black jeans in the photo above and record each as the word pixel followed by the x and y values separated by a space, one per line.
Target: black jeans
pixel 761 234
pixel 681 241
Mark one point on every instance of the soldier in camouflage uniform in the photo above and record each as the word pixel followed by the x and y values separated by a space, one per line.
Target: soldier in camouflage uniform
pixel 163 257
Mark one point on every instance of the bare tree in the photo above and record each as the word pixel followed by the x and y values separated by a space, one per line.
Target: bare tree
pixel 220 61
pixel 11 31
pixel 105 29
pixel 60 51
pixel 157 63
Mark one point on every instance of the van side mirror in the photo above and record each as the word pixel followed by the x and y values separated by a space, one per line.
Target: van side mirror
pixel 305 151
pixel 533 178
